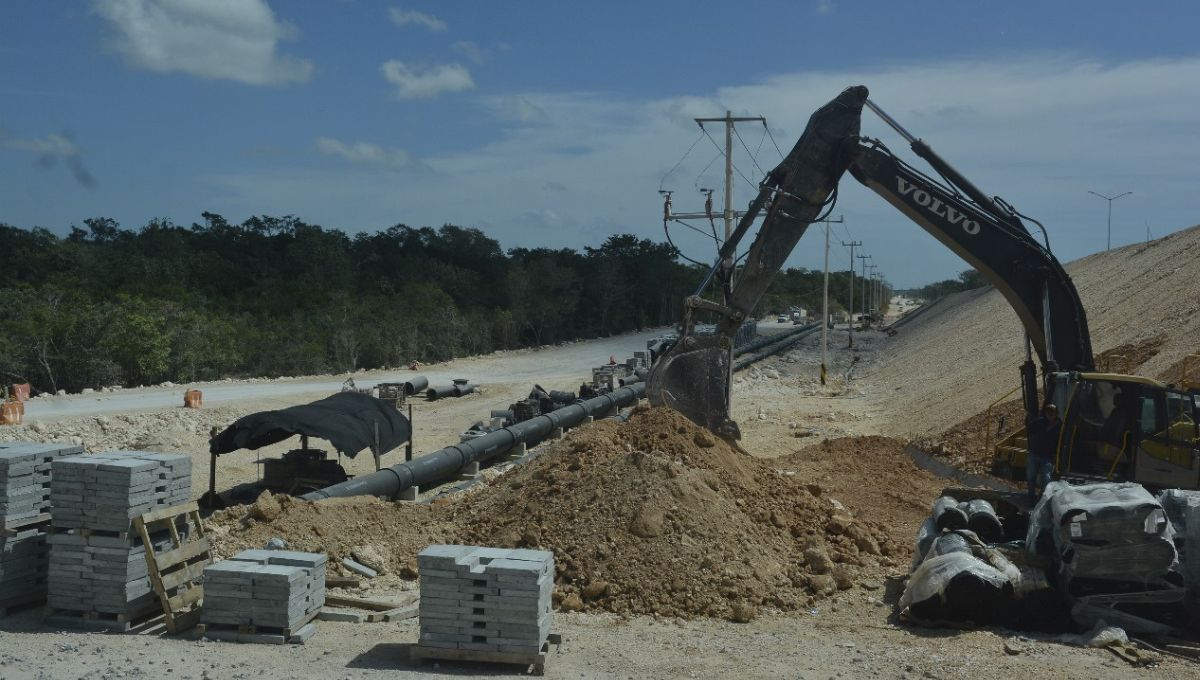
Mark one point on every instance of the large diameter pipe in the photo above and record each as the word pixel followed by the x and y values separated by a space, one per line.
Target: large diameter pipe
pixel 776 347
pixel 764 340
pixel 439 392
pixel 415 384
pixel 460 390
pixel 390 481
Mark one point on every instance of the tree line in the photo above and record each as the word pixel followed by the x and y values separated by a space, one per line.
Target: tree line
pixel 274 296
pixel 966 280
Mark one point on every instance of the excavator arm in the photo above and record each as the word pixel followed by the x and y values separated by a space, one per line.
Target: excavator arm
pixel 693 376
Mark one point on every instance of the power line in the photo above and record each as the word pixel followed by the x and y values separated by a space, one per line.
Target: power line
pixel 736 168
pixel 752 158
pixel 777 150
pixel 679 162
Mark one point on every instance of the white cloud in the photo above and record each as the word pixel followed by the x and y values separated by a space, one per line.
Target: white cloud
pixel 363 153
pixel 402 17
pixel 825 7
pixel 415 81
pixel 518 109
pixel 472 51
pixel 221 39
pixel 1039 130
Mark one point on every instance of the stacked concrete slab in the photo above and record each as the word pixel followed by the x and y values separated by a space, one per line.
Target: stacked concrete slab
pixel 24 501
pixel 97 561
pixel 105 491
pixel 264 588
pixel 102 573
pixel 25 479
pixel 485 599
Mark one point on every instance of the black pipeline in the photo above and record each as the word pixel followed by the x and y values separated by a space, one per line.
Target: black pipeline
pixel 780 344
pixel 436 466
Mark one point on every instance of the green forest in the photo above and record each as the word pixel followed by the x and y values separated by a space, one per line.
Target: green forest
pixel 274 296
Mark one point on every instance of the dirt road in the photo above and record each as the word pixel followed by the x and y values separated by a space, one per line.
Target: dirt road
pixel 570 361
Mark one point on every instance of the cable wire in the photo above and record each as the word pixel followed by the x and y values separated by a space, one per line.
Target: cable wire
pixel 752 158
pixel 777 149
pixel 735 167
pixel 679 162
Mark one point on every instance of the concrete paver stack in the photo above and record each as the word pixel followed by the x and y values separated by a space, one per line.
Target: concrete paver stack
pixel 24 499
pixel 97 563
pixel 274 589
pixel 485 599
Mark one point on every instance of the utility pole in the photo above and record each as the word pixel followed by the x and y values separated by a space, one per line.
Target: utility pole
pixel 1110 199
pixel 729 214
pixel 825 303
pixel 872 306
pixel 864 259
pixel 850 307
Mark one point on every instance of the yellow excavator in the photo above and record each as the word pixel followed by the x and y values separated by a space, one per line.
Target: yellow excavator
pixel 1114 426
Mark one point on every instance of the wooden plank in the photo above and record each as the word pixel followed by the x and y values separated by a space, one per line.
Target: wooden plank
pixel 183 553
pixel 178 567
pixel 342 582
pixel 16 526
pixel 373 605
pixel 180 577
pixel 169 513
pixel 187 597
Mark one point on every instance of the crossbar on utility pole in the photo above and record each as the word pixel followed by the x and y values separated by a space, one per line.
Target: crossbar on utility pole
pixel 728 213
pixel 850 308
pixel 1110 199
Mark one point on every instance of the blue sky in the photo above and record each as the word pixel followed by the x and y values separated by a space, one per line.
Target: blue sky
pixel 554 123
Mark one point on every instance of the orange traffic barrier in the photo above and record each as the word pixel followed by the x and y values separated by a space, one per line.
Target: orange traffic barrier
pixel 20 391
pixel 193 399
pixel 11 413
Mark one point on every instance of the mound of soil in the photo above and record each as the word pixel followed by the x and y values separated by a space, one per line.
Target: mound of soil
pixel 875 478
pixel 659 517
pixel 395 532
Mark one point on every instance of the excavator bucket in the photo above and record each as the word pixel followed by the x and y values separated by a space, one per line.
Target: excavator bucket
pixel 692 377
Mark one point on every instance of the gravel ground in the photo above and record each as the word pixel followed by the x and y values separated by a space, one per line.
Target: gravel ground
pixel 851 638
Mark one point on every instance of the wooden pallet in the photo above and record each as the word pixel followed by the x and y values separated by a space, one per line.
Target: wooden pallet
pixel 535 663
pixel 16 526
pixel 85 532
pixel 176 573
pixel 101 621
pixel 296 634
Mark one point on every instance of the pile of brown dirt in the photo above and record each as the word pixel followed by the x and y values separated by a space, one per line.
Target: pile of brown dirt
pixel 966 445
pixel 1129 357
pixel 874 477
pixel 659 517
pixel 396 532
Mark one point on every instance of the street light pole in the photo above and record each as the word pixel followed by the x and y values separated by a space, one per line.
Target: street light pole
pixel 1110 199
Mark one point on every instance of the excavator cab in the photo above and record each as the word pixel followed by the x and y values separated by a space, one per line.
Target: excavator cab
pixel 1124 427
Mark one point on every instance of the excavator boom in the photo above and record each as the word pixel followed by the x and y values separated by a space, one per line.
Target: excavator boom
pixel 693 376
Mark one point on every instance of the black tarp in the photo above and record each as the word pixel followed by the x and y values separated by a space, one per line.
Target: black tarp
pixel 347 420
